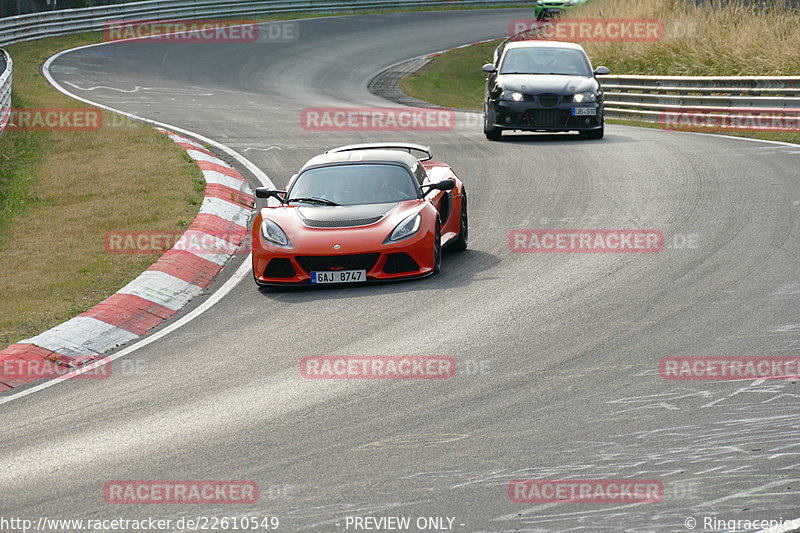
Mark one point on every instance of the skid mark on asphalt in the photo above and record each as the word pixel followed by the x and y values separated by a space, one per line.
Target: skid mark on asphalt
pixel 415 441
pixel 719 463
pixel 267 149
pixel 138 88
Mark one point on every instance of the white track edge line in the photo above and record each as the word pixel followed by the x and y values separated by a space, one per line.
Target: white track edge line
pixel 218 294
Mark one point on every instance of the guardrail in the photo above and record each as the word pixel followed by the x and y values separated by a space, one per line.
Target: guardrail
pixel 648 98
pixel 61 22
pixel 5 89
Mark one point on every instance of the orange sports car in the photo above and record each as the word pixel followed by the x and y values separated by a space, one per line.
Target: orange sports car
pixel 360 213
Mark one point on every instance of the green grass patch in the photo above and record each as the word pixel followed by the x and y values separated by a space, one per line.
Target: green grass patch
pixel 453 79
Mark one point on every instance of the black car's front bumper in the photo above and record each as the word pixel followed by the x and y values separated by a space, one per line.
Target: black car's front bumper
pixel 531 116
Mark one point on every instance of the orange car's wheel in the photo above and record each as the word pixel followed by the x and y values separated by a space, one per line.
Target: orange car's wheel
pixel 460 243
pixel 437 249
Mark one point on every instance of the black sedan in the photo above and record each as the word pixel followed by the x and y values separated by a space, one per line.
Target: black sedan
pixel 543 86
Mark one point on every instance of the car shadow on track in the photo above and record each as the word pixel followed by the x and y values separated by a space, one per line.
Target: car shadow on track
pixel 459 269
pixel 551 138
pixel 561 139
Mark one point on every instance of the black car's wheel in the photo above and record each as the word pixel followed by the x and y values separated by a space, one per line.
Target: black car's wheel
pixel 597 134
pixel 492 133
pixel 594 134
pixel 437 250
pixel 460 244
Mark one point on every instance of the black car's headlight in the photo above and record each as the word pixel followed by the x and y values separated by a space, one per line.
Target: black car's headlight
pixel 408 227
pixel 583 98
pixel 511 95
pixel 274 234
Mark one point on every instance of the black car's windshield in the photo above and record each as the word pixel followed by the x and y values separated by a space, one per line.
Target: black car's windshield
pixel 352 184
pixel 542 60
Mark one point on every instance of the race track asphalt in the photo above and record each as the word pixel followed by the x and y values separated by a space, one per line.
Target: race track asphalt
pixel 557 354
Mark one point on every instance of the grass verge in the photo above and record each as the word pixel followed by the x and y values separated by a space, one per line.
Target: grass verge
pixel 61 191
pixel 733 40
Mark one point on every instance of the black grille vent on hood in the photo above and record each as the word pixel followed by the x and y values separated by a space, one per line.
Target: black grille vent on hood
pixel 343 216
pixel 341 223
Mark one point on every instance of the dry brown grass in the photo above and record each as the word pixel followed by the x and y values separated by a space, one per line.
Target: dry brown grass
pixel 60 192
pixel 734 40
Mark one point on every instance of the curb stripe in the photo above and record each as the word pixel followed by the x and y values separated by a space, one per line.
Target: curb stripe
pixel 25 351
pixel 179 138
pixel 82 336
pixel 209 247
pixel 202 155
pixel 220 167
pixel 187 266
pixel 130 312
pixel 192 146
pixel 213 176
pixel 13 355
pixel 162 288
pixel 234 213
pixel 219 227
pixel 179 275
pixel 235 196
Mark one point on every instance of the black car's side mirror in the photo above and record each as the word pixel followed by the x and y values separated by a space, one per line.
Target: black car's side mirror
pixel 489 68
pixel 263 192
pixel 601 71
pixel 444 185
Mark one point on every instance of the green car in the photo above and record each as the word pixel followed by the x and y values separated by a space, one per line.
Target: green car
pixel 549 8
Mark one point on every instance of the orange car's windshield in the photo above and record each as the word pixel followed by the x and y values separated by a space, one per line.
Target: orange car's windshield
pixel 352 184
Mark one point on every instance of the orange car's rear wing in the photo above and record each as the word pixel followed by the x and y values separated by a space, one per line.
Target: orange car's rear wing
pixel 385 146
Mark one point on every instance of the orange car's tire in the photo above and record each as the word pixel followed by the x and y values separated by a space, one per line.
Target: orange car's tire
pixel 460 244
pixel 437 250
